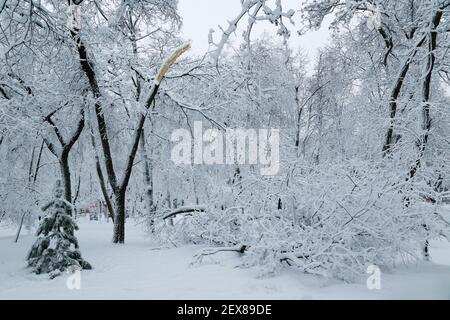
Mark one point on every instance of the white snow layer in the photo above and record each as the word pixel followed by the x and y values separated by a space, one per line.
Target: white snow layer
pixel 138 270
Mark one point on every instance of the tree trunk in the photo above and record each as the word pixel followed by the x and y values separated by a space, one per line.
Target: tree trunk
pixel 2 215
pixel 102 183
pixel 38 164
pixel 393 104
pixel 65 175
pixel 426 109
pixel 20 226
pixel 148 179
pixel 119 220
pixel 101 177
pixel 32 177
pixel 63 153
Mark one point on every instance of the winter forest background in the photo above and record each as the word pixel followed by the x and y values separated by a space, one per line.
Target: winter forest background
pixel 92 90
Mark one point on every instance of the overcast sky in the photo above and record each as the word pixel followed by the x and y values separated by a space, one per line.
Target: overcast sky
pixel 199 16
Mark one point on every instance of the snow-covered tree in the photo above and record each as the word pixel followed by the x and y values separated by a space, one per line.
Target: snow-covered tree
pixel 96 88
pixel 56 248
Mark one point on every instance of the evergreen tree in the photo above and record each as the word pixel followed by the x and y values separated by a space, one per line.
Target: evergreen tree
pixel 56 248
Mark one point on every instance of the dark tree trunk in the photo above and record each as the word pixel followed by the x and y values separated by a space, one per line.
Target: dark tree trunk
pixel 119 222
pixel 148 179
pixel 65 175
pixel 24 214
pixel 426 109
pixel 101 178
pixel 102 183
pixel 31 180
pixel 64 152
pixel 38 164
pixel 393 104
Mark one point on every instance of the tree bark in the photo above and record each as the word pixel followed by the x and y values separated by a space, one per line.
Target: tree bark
pixel 38 164
pixel 119 222
pixel 31 181
pixel 101 178
pixel 64 152
pixel 393 104
pixel 426 109
pixel 148 179
pixel 65 175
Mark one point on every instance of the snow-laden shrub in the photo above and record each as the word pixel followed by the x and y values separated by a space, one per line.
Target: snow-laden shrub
pixel 327 222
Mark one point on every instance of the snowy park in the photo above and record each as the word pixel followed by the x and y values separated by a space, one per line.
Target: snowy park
pixel 225 149
pixel 142 270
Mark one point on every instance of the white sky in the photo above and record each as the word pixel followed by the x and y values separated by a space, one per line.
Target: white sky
pixel 199 16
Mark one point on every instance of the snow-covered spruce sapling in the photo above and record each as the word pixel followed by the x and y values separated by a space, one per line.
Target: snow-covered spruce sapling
pixel 56 248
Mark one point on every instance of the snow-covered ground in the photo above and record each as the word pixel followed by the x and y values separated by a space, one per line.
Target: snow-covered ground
pixel 140 270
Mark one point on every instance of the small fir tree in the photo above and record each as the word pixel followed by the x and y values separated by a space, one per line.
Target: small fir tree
pixel 56 248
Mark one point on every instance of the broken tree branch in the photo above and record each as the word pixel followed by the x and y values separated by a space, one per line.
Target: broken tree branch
pixel 183 210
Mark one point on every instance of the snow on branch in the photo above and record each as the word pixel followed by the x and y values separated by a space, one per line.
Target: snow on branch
pixel 182 210
pixel 200 109
pixel 170 61
pixel 274 16
pixel 198 258
pixel 167 64
pixel 74 16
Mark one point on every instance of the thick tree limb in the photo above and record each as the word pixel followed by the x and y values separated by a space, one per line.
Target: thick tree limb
pixel 183 210
pixel 426 110
pixel 149 101
pixel 101 177
pixel 396 94
pixel 119 190
pixel 198 258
